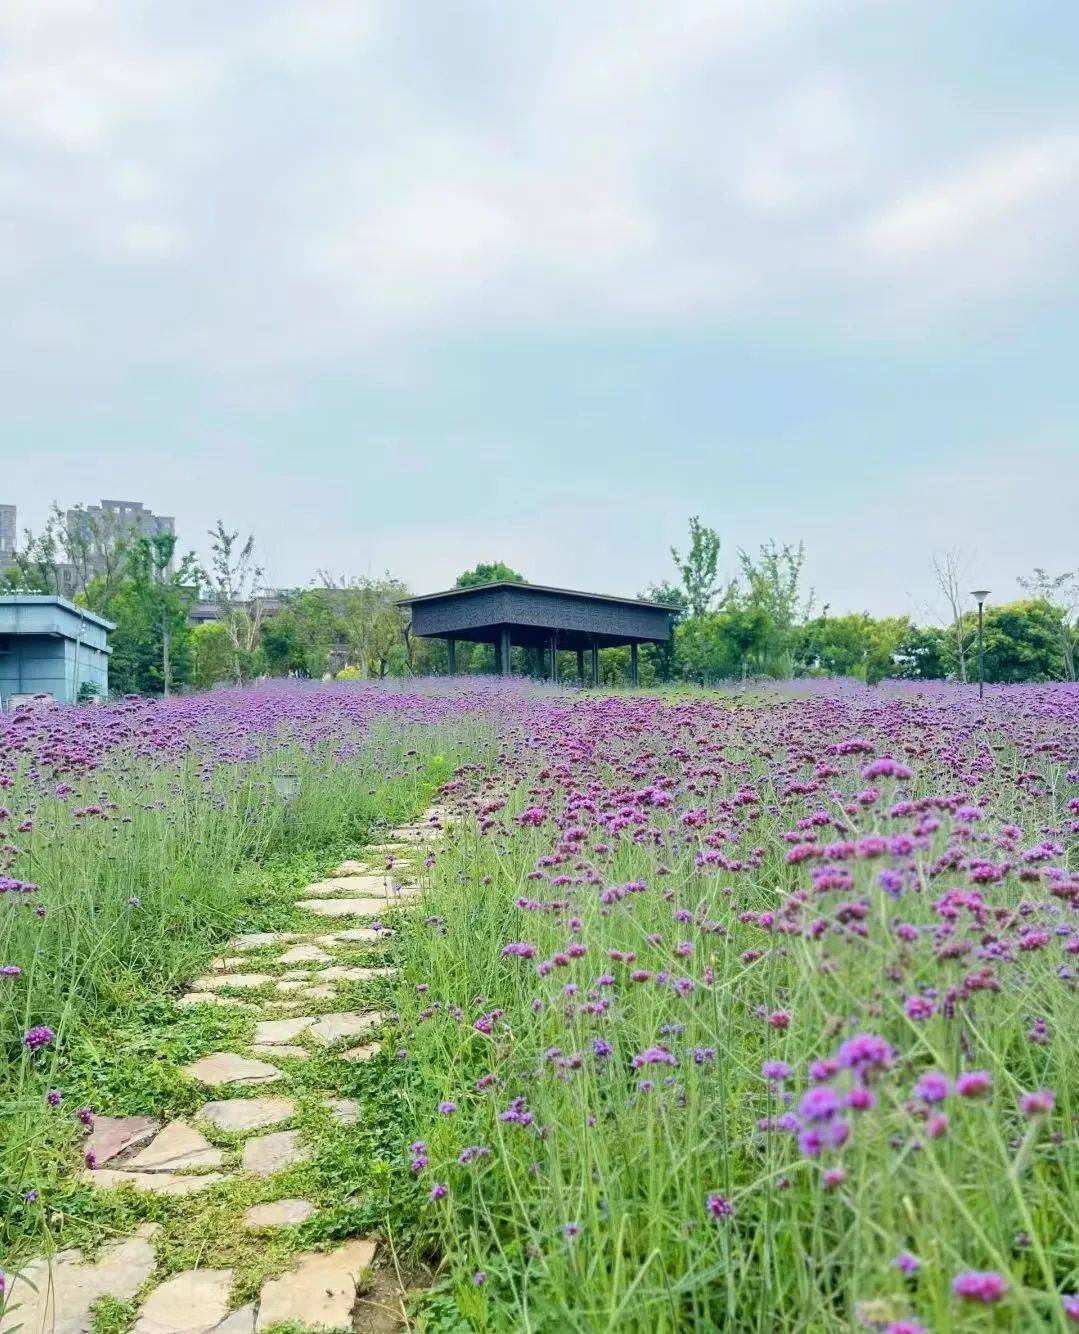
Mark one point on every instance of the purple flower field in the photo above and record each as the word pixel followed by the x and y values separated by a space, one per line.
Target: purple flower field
pixel 746 1013
pixel 757 1015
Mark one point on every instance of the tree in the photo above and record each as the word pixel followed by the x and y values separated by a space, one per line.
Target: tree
pixel 491 572
pixel 949 571
pixel 1061 593
pixel 150 603
pixel 663 657
pixel 236 586
pixel 1022 642
pixel 855 645
pixel 772 588
pixel 699 568
pixel 301 638
pixel 372 621
pixel 212 655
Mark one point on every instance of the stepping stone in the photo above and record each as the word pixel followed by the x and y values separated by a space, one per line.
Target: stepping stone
pixel 54 1296
pixel 354 935
pixel 345 1111
pixel 241 981
pixel 359 885
pixel 113 1134
pixel 178 1148
pixel 225 1067
pixel 241 1321
pixel 315 993
pixel 280 1213
pixel 193 1302
pixel 268 1154
pixel 292 1053
pixel 350 868
pixel 209 998
pixel 222 965
pixel 411 833
pixel 153 1183
pixel 345 907
pixel 242 1114
pixel 256 940
pixel 345 973
pixel 272 1032
pixel 366 1051
pixel 287 985
pixel 304 954
pixel 349 1024
pixel 318 1291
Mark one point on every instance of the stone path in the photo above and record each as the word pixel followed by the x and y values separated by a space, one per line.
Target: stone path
pixel 247 1094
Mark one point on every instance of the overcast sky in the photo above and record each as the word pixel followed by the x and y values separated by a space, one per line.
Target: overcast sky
pixel 413 285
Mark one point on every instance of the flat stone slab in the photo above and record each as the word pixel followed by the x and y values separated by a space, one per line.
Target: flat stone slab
pixel 355 935
pixel 112 1135
pixel 242 1114
pixel 256 940
pixel 178 1148
pixel 267 1154
pixel 350 868
pixel 304 954
pixel 225 1067
pixel 209 998
pixel 55 1296
pixel 279 1213
pixel 241 1321
pixel 345 973
pixel 345 1111
pixel 412 833
pixel 332 1028
pixel 154 1183
pixel 318 1290
pixel 292 1053
pixel 240 981
pixel 193 1302
pixel 222 965
pixel 345 907
pixel 366 1051
pixel 270 1032
pixel 360 885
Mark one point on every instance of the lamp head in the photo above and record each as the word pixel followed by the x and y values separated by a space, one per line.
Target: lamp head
pixel 980 594
pixel 287 786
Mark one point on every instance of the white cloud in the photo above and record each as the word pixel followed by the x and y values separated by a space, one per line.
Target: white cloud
pixel 988 194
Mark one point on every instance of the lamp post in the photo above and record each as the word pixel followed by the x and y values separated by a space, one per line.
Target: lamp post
pixel 979 595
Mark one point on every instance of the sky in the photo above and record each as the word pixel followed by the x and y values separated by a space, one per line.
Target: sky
pixel 409 287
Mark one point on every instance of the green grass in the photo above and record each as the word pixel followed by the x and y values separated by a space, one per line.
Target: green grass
pixel 203 860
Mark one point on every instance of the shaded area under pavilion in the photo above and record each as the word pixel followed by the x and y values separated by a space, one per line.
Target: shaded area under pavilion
pixel 511 615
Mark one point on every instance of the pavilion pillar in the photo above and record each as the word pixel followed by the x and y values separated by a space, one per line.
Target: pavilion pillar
pixel 580 665
pixel 504 651
pixel 595 661
pixel 553 650
pixel 451 646
pixel 633 665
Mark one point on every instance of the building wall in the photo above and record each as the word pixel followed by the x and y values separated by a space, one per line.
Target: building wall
pixel 50 648
pixel 8 534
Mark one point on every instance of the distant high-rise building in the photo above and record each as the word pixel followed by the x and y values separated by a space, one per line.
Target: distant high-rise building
pixel 8 534
pixel 112 521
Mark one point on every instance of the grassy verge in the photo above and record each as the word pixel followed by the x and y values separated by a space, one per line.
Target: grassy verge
pixel 134 899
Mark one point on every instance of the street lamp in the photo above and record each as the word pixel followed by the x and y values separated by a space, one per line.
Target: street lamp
pixel 979 595
pixel 287 786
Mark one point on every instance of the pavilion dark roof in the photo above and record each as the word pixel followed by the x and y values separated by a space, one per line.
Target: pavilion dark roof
pixel 538 588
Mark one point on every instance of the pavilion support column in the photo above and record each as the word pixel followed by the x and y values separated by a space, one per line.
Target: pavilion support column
pixel 451 646
pixel 595 662
pixel 633 665
pixel 504 651
pixel 580 665
pixel 553 650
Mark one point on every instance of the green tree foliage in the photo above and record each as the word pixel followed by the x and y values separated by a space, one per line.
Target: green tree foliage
pixel 699 568
pixel 235 580
pixel 1061 594
pixel 771 588
pixel 300 639
pixel 1022 642
pixel 212 655
pixel 489 572
pixel 855 645
pixel 150 602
